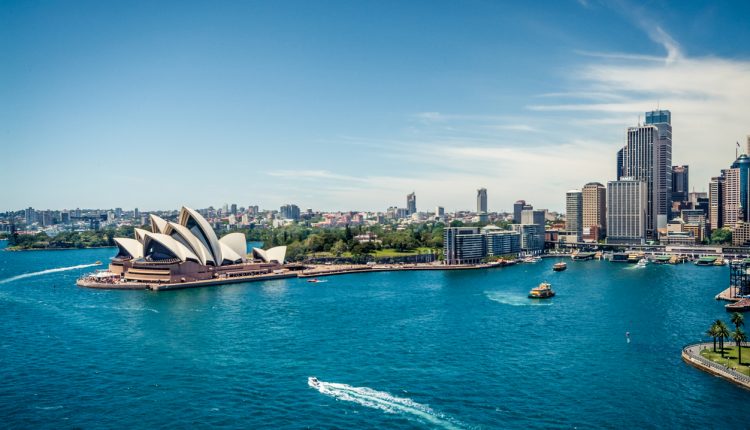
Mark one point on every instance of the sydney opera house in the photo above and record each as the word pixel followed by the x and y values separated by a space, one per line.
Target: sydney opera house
pixel 187 251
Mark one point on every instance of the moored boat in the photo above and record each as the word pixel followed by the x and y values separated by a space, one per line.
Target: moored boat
pixel 543 291
pixel 559 267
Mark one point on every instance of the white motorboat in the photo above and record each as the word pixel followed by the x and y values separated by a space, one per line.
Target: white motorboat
pixel 313 382
pixel 642 262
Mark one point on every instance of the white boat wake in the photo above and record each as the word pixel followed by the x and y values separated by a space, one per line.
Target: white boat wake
pixel 385 402
pixel 512 299
pixel 45 272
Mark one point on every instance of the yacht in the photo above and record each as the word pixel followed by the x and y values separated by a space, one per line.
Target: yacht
pixel 543 291
pixel 313 382
pixel 642 262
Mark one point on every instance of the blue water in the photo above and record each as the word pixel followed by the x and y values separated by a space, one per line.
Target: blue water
pixel 462 349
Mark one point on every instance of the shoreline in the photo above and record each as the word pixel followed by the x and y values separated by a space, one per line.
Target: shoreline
pixel 313 272
pixel 691 356
pixel 56 249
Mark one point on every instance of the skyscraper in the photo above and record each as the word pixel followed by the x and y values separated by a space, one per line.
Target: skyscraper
pixel 411 203
pixel 290 211
pixel 662 120
pixel 680 184
pixel 731 198
pixel 716 202
pixel 534 216
pixel 647 156
pixel 517 208
pixel 626 211
pixel 574 215
pixel 482 200
pixel 594 211
pixel 742 164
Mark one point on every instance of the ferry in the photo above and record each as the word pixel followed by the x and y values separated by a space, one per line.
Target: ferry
pixel 583 256
pixel 559 267
pixel 706 261
pixel 543 291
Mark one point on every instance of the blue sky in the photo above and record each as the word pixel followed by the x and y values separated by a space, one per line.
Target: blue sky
pixel 351 105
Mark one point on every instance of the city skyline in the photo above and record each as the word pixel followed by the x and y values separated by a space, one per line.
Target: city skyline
pixel 446 109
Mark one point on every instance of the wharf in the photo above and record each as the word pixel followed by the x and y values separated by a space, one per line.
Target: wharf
pixel 154 286
pixel 727 295
pixel 320 271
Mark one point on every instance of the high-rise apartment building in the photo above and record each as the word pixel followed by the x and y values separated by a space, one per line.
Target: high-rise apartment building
pixel 290 211
pixel 482 200
pixel 439 211
pixel 411 203
pixel 574 215
pixel 534 216
pixel 470 245
pixel 627 215
pixel 517 208
pixel 731 198
pixel 716 202
pixel 594 211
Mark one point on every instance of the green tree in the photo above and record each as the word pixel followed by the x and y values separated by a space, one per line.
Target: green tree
pixel 738 336
pixel 713 333
pixel 315 243
pixel 721 236
pixel 737 319
pixel 723 333
pixel 339 248
pixel 295 251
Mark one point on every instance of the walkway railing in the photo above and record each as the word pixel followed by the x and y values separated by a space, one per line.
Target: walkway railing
pixel 692 351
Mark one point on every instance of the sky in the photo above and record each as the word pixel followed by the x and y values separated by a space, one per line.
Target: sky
pixel 351 105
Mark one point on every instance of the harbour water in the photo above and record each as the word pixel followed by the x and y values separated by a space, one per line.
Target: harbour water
pixel 457 349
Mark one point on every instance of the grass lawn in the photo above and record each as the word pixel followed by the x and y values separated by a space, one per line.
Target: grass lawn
pixel 389 252
pixel 730 358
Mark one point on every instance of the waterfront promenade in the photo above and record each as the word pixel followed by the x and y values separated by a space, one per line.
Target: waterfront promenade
pixel 311 271
pixel 691 354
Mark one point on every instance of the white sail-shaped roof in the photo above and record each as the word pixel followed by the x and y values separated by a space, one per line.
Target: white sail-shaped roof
pixel 158 225
pixel 230 257
pixel 202 230
pixel 277 254
pixel 140 234
pixel 175 248
pixel 129 247
pixel 237 243
pixel 186 237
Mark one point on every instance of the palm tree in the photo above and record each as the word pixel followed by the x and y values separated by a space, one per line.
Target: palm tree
pixel 737 319
pixel 723 332
pixel 712 332
pixel 738 336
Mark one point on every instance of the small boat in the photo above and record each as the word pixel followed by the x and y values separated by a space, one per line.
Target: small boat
pixel 313 382
pixel 641 263
pixel 98 263
pixel 316 280
pixel 559 267
pixel 531 259
pixel 543 291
